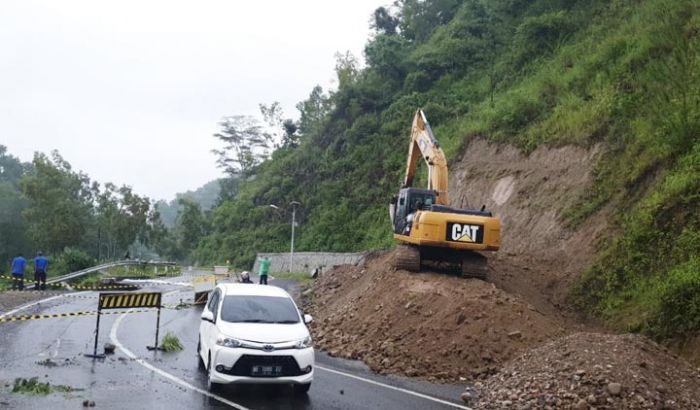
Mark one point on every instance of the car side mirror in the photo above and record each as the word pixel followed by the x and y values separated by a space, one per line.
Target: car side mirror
pixel 308 318
pixel 208 316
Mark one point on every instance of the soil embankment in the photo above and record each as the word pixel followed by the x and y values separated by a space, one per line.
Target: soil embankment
pixel 516 329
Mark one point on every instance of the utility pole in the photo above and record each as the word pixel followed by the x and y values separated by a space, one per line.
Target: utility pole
pixel 291 253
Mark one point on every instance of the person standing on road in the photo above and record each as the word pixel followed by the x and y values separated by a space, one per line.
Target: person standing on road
pixel 264 269
pixel 18 265
pixel 41 265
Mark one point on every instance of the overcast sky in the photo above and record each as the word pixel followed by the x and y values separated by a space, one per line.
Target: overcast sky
pixel 131 91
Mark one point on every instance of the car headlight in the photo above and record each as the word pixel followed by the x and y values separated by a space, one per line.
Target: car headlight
pixel 228 342
pixel 304 343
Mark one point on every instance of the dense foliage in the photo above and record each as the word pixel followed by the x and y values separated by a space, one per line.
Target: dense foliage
pixel 528 72
pixel 46 206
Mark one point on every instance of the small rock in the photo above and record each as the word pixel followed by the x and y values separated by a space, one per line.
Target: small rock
pixel 467 396
pixel 515 334
pixel 661 389
pixel 342 392
pixel 592 399
pixel 581 405
pixel 461 318
pixel 109 348
pixel 614 389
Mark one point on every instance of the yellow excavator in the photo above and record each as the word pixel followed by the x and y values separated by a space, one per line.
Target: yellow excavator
pixel 427 228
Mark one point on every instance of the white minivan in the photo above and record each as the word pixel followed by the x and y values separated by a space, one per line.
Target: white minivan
pixel 255 334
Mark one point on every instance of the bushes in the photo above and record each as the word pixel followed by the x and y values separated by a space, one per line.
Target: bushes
pixel 678 310
pixel 541 35
pixel 647 280
pixel 70 260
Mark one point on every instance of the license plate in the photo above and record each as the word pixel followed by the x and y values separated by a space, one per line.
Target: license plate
pixel 266 370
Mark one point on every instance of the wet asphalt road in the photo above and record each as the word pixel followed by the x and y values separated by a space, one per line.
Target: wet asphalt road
pixel 52 349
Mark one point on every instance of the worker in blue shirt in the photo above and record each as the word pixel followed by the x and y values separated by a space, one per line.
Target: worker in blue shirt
pixel 41 265
pixel 18 265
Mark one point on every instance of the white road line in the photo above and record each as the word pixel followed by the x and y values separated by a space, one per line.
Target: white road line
pixel 13 311
pixel 131 355
pixel 402 390
pixel 115 340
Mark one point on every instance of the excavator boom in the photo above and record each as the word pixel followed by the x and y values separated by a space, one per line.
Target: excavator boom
pixel 424 144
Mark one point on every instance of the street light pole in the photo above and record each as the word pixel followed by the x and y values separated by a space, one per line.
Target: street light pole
pixel 291 253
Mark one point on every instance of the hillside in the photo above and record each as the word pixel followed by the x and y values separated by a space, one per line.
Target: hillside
pixel 619 81
pixel 205 196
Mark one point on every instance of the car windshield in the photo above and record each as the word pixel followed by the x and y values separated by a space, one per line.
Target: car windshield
pixel 258 309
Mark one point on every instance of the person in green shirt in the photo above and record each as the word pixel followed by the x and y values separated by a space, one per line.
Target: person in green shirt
pixel 264 269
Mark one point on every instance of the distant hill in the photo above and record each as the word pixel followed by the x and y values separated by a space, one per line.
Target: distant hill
pixel 206 196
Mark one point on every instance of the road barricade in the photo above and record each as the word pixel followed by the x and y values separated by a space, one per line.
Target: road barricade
pixel 202 286
pixel 126 300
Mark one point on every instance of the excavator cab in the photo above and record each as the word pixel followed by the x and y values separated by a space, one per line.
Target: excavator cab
pixel 406 204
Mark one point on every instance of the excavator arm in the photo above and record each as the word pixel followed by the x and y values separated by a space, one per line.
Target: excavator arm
pixel 424 144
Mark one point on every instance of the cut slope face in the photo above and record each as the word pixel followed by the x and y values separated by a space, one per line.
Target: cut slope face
pixel 539 256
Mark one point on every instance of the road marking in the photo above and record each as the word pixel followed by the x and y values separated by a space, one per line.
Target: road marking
pixel 390 387
pixel 29 305
pixel 115 340
pixel 177 380
pixel 58 345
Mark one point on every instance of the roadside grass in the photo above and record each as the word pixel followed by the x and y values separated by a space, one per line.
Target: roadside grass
pixel 140 271
pixel 171 343
pixel 33 386
pixel 302 277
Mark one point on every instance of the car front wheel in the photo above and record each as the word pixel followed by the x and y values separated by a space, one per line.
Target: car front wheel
pixel 302 388
pixel 200 361
pixel 211 386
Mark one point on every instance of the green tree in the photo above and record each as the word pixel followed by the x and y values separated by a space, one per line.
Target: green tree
pixel 246 144
pixel 383 21
pixel 13 238
pixel 312 111
pixel 60 203
pixel 191 226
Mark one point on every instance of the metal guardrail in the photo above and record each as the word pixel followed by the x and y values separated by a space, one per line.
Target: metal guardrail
pixel 97 268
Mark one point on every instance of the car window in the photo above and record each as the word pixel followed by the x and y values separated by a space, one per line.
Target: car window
pixel 259 309
pixel 213 302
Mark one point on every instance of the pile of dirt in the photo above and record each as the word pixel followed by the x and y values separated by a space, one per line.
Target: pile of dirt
pixel 429 325
pixel 592 370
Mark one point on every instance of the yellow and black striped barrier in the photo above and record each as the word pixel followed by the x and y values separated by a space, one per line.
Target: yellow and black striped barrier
pixel 62 315
pixel 21 318
pixel 130 286
pixel 129 300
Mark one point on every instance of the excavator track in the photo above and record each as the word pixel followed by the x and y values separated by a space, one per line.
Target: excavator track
pixel 407 258
pixel 474 265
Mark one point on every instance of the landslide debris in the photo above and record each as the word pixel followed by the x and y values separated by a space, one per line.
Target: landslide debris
pixel 592 370
pixel 429 325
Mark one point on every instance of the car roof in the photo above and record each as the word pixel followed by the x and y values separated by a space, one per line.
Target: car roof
pixel 252 289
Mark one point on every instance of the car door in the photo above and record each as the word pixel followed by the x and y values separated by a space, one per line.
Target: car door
pixel 207 332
